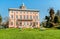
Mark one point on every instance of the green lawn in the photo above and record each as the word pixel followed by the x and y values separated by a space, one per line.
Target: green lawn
pixel 29 34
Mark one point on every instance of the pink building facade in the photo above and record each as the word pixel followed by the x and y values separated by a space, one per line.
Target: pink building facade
pixel 23 17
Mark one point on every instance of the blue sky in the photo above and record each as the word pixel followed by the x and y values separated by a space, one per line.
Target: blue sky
pixel 41 5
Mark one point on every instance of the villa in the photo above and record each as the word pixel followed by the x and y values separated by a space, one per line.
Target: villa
pixel 23 17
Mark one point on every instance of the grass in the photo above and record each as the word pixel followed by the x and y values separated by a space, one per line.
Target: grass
pixel 29 34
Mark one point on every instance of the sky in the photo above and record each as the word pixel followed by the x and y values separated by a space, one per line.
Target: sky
pixel 42 5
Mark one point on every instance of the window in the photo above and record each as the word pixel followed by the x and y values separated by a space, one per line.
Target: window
pixel 27 16
pixel 37 23
pixel 17 16
pixel 30 23
pixel 11 23
pixel 24 16
pixel 20 23
pixel 36 17
pixel 16 23
pixel 25 23
pixel 30 16
pixel 11 16
pixel 20 16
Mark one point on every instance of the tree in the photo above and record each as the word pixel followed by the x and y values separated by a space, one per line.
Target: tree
pixel 47 21
pixel 51 19
pixel 56 19
pixel 0 19
pixel 58 13
pixel 6 22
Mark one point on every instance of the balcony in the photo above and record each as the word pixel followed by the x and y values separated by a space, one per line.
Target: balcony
pixel 24 20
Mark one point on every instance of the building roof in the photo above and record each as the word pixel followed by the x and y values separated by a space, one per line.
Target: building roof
pixel 18 9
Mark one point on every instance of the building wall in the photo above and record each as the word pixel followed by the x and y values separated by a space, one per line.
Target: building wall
pixel 14 15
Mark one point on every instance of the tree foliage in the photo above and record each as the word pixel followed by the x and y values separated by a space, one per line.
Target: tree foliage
pixel 0 19
pixel 52 19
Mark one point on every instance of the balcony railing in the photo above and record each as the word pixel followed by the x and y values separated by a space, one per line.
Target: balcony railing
pixel 24 20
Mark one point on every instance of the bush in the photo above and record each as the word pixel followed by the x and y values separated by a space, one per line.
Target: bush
pixel 58 27
pixel 1 27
